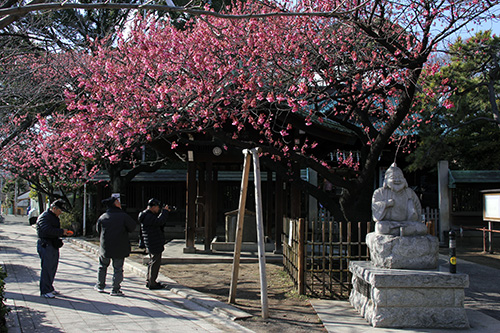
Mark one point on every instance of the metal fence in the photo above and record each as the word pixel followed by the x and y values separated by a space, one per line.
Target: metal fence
pixel 316 255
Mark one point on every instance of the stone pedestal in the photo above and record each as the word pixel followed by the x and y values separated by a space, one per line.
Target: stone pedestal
pixel 403 252
pixel 398 298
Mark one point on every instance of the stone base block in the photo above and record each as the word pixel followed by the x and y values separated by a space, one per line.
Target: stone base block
pixel 396 298
pixel 403 252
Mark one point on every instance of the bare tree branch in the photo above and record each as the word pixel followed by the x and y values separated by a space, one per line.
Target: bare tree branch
pixel 12 13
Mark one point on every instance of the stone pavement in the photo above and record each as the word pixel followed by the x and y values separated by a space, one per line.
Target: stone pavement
pixel 81 309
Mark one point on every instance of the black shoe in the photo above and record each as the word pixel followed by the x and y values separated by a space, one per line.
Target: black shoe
pixel 156 286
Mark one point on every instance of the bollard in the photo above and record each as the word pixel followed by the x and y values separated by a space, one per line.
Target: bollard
pixel 453 252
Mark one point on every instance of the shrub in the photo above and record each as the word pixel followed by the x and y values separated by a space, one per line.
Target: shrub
pixel 71 220
pixel 3 308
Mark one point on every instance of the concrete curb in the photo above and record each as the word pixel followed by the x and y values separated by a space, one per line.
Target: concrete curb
pixel 215 306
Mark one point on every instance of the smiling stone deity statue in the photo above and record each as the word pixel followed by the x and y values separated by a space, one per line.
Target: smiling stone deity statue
pixel 396 208
pixel 400 239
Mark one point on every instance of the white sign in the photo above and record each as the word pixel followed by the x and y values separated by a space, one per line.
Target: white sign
pixel 491 210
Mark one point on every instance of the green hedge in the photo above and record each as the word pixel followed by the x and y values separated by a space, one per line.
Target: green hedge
pixel 3 308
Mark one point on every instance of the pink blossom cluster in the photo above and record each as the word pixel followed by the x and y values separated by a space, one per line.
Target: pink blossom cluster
pixel 256 73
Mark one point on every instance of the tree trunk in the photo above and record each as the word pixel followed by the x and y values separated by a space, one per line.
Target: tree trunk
pixel 41 203
pixel 356 203
pixel 116 181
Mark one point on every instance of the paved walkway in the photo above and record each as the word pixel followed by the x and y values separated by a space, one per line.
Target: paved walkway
pixel 81 309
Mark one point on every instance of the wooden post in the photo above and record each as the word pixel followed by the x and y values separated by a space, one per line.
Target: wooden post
pixel 278 217
pixel 215 201
pixel 313 202
pixel 208 206
pixel 239 226
pixel 301 254
pixel 260 233
pixel 430 228
pixel 484 239
pixel 190 208
pixel 295 194
pixel 200 203
pixel 268 204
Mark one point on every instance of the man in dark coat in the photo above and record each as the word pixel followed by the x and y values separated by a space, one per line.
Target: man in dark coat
pixel 153 220
pixel 49 232
pixel 113 227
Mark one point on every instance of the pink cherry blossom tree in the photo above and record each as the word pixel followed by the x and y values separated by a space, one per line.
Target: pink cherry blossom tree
pixel 270 80
pixel 360 71
pixel 33 116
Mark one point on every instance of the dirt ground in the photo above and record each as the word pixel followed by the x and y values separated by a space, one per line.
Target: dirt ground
pixel 288 311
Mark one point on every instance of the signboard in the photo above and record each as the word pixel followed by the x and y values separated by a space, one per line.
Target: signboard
pixel 491 211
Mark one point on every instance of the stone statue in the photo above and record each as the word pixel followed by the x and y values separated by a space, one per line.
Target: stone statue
pixel 400 240
pixel 400 286
pixel 396 208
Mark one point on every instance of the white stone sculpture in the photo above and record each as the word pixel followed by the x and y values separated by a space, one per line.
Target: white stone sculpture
pixel 400 288
pixel 400 239
pixel 396 208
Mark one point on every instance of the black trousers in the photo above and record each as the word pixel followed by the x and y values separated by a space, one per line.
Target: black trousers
pixel 153 268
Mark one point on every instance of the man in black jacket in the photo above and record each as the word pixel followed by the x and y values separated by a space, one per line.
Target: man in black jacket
pixel 152 222
pixel 113 227
pixel 49 230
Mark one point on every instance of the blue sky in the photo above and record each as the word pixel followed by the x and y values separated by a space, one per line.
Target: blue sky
pixel 471 29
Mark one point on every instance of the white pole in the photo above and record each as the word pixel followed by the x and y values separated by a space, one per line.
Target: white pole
pixel 260 233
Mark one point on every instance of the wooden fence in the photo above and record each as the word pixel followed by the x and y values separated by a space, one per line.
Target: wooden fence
pixel 316 255
pixel 431 218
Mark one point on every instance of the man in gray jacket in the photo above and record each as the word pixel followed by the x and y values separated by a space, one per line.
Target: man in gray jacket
pixel 113 227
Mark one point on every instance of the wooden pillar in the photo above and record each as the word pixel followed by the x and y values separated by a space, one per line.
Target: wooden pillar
pixel 295 199
pixel 191 208
pixel 215 202
pixel 200 201
pixel 239 226
pixel 268 204
pixel 278 214
pixel 208 207
pixel 313 202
